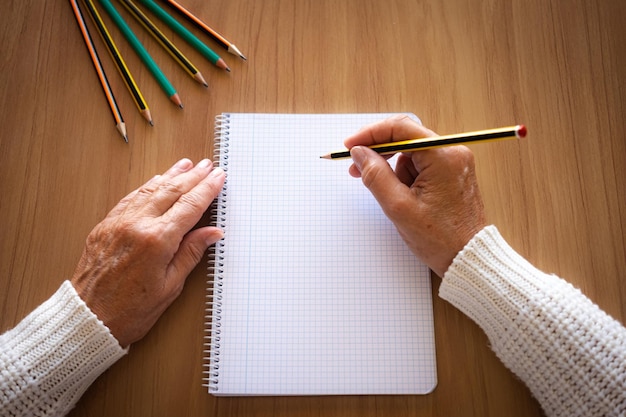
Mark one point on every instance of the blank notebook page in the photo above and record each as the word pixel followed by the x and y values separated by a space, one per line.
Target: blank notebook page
pixel 315 293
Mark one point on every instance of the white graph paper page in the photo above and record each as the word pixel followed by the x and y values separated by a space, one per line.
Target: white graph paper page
pixel 319 295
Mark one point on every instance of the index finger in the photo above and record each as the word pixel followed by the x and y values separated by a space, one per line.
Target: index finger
pixel 159 194
pixel 188 209
pixel 393 129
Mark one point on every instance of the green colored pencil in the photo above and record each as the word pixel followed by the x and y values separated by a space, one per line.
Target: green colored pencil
pixel 184 33
pixel 165 84
pixel 164 41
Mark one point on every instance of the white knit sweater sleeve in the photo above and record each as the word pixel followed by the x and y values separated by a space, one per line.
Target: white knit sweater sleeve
pixel 52 356
pixel 569 353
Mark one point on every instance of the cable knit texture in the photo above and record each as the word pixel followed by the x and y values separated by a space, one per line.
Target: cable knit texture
pixel 52 356
pixel 569 353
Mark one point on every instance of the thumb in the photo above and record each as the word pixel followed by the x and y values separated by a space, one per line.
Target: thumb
pixel 191 250
pixel 377 176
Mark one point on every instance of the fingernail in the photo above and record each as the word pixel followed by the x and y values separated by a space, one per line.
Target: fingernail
pixel 217 172
pixel 204 163
pixel 214 236
pixel 183 164
pixel 358 156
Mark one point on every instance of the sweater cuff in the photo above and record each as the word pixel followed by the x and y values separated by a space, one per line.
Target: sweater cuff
pixel 488 281
pixel 570 353
pixel 54 354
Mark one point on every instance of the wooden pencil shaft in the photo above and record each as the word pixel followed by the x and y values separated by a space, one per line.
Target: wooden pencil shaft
pixel 160 37
pixel 230 47
pixel 104 81
pixel 438 141
pixel 141 51
pixel 116 56
pixel 182 31
pixel 199 23
pixel 95 58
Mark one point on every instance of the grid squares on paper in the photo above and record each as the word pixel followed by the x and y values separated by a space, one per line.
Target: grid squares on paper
pixel 320 294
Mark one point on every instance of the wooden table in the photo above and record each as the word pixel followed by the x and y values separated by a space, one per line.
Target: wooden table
pixel 559 197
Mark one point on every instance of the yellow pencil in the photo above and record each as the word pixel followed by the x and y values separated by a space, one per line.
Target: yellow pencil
pixel 412 145
pixel 164 41
pixel 119 62
pixel 104 81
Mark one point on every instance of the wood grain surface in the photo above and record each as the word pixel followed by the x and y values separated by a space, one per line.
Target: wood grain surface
pixel 558 196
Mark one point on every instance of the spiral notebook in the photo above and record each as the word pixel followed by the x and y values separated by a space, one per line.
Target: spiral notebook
pixel 311 291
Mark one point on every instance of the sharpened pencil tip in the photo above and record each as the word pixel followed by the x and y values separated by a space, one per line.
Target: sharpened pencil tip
pixel 198 77
pixel 146 115
pixel 176 99
pixel 221 64
pixel 121 127
pixel 235 51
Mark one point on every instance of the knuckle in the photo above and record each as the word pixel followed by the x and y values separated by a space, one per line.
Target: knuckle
pixel 140 235
pixel 463 155
pixel 195 252
pixel 398 207
pixel 151 237
pixel 369 175
pixel 193 201
pixel 213 189
pixel 400 118
pixel 171 187
pixel 146 190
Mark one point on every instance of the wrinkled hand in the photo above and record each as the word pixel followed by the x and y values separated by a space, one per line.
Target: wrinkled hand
pixel 432 197
pixel 136 260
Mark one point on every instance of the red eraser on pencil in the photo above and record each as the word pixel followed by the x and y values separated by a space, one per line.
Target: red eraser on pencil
pixel 521 131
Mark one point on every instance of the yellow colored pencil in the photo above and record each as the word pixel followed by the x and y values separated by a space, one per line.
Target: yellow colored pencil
pixel 104 81
pixel 413 145
pixel 119 62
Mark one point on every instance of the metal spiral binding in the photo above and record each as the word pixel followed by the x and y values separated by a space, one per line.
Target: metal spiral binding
pixel 213 308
